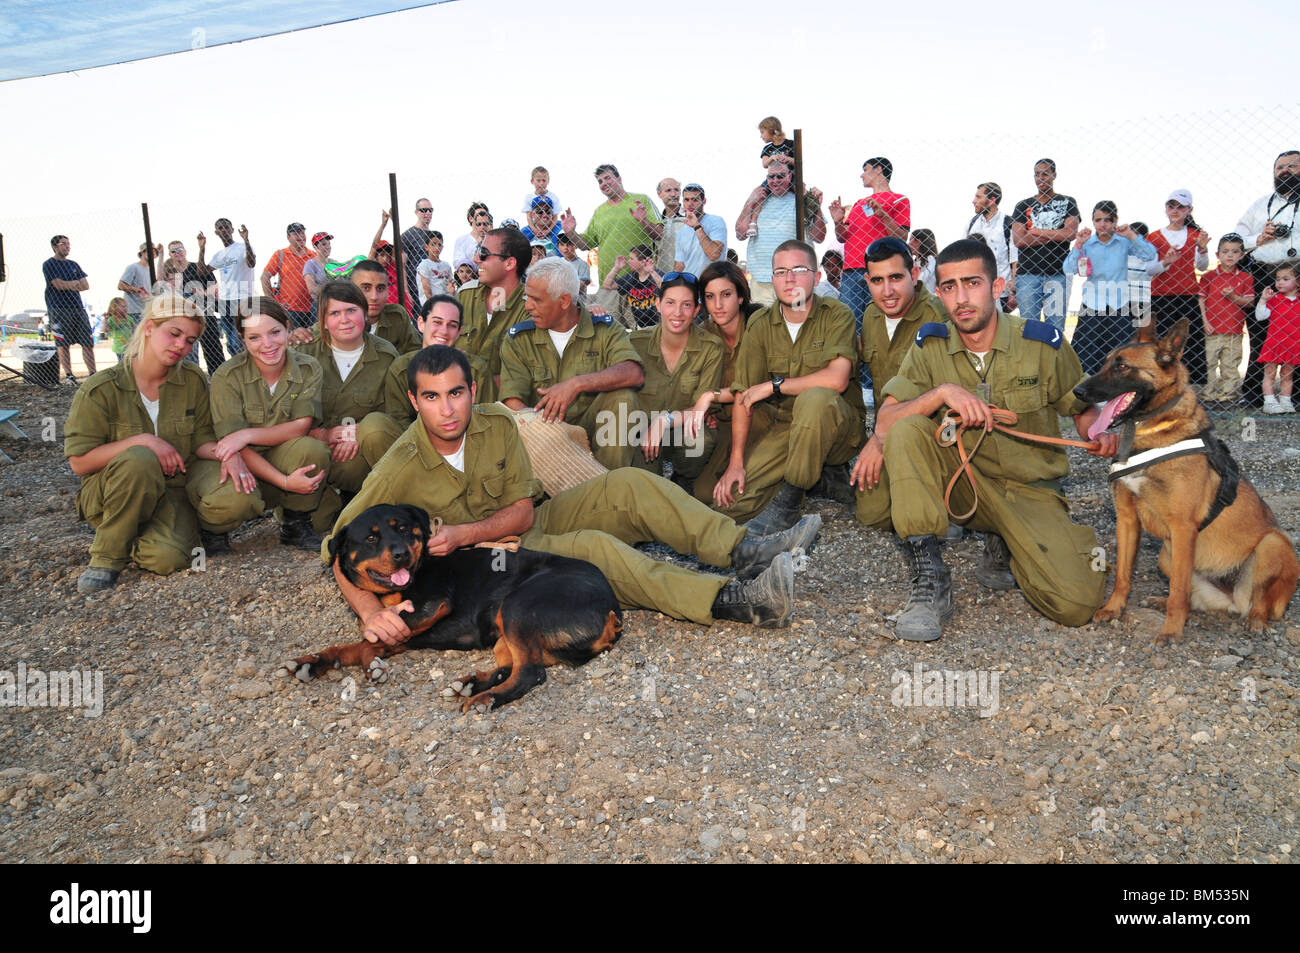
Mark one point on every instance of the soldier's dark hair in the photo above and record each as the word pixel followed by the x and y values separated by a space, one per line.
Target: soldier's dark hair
pixel 435 359
pixel 369 264
pixel 443 299
pixel 966 249
pixel 344 291
pixel 515 246
pixel 883 249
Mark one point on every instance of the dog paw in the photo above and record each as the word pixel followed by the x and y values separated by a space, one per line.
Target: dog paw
pixel 1156 602
pixel 481 702
pixel 1107 613
pixel 1165 638
pixel 304 669
pixel 459 688
pixel 377 670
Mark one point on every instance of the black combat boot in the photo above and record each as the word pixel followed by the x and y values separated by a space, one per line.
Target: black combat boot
pixel 296 531
pixel 782 513
pixel 834 484
pixel 766 601
pixel 930 602
pixel 214 544
pixel 753 553
pixel 994 569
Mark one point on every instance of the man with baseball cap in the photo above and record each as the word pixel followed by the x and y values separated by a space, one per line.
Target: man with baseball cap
pixel 288 264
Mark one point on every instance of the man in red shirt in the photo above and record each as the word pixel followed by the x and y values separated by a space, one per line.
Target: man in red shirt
pixel 288 264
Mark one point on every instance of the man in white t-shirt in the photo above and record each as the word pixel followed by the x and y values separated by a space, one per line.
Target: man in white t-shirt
pixel 480 220
pixel 994 226
pixel 703 240
pixel 235 283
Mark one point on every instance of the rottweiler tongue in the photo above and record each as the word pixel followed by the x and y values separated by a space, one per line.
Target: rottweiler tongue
pixel 1107 415
pixel 401 577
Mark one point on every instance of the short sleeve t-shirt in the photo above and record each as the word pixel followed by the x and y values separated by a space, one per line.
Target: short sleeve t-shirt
pixel 640 297
pixel 137 275
pixel 292 293
pixel 438 274
pixel 690 253
pixel 786 148
pixel 56 299
pixel 864 226
pixel 1048 258
pixel 1224 316
pixel 314 269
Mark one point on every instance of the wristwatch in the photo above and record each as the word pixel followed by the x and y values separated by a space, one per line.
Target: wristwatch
pixel 776 386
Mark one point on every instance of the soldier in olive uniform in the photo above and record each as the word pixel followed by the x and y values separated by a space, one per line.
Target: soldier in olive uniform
pixel 265 401
pixel 573 367
pixel 388 321
pixel 982 359
pixel 354 367
pixel 727 300
pixel 440 318
pixel 801 409
pixel 496 303
pixel 466 466
pixel 140 436
pixel 682 362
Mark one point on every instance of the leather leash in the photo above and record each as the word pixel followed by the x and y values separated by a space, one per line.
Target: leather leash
pixel 951 427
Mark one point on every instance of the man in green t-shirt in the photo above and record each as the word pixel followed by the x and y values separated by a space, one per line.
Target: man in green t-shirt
pixel 624 220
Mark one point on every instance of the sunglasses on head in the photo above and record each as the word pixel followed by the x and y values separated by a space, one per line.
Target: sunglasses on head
pixel 684 275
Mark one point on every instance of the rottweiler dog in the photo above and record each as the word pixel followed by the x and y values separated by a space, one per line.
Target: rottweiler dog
pixel 532 609
pixel 1223 550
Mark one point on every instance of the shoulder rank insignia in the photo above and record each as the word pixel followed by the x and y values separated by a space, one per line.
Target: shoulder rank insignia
pixel 931 329
pixel 521 326
pixel 1043 331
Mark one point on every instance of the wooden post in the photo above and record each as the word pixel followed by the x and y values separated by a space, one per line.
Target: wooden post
pixel 798 185
pixel 397 242
pixel 148 241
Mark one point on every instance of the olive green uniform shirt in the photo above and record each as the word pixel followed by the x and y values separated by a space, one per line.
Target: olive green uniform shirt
pixel 1030 377
pixel 884 355
pixel 108 408
pixel 766 351
pixel 394 326
pixel 698 370
pixel 477 334
pixel 497 474
pixel 240 397
pixel 529 359
pixel 398 405
pixel 363 392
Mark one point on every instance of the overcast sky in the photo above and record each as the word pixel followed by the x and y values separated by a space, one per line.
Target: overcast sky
pixel 462 99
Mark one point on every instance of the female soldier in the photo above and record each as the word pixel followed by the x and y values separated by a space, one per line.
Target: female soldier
pixel 682 362
pixel 140 436
pixel 726 298
pixel 354 364
pixel 265 400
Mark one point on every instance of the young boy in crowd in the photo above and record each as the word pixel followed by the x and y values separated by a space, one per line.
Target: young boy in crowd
pixel 564 245
pixel 434 274
pixel 541 180
pixel 630 296
pixel 1225 293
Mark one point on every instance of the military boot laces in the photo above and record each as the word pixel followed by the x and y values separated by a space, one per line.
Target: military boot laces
pixel 767 601
pixel 930 601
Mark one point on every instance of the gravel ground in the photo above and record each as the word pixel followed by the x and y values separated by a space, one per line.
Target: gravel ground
pixel 682 744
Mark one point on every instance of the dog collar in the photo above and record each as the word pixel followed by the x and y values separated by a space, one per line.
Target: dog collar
pixel 1140 461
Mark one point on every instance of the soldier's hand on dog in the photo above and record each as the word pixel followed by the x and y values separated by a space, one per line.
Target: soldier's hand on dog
pixel 868 466
pixel 447 538
pixel 386 625
pixel 557 398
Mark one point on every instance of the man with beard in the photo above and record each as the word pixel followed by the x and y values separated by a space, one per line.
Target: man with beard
pixel 1268 229
pixel 980 360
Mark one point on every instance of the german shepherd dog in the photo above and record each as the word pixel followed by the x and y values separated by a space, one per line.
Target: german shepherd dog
pixel 532 609
pixel 1223 550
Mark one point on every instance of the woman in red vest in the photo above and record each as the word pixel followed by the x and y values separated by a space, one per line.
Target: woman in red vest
pixel 1181 252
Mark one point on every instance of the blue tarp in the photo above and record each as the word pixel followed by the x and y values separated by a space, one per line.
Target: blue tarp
pixel 40 37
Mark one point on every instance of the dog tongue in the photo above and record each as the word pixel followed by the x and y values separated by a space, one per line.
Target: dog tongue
pixel 401 577
pixel 1106 417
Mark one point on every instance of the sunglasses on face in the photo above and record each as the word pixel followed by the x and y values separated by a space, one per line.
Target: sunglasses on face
pixel 482 252
pixel 424 209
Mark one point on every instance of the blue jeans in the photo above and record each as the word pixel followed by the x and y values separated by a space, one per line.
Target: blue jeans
pixel 855 294
pixel 1045 295
pixel 229 315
